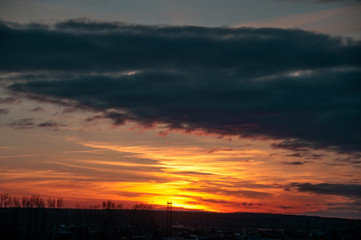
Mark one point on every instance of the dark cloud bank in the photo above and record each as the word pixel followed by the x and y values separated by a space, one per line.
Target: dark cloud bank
pixel 293 85
pixel 345 190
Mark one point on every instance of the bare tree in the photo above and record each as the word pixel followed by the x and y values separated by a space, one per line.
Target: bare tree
pixel 25 202
pixel 5 200
pixel 36 201
pixel 108 205
pixel 60 203
pixel 142 206
pixel 51 203
pixel 15 202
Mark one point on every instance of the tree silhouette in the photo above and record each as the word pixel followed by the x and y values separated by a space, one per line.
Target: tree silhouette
pixel 36 201
pixel 60 203
pixel 50 203
pixel 108 204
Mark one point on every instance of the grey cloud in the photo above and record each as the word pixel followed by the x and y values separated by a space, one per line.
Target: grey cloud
pixel 24 123
pixel 78 45
pixel 27 123
pixel 37 109
pixel 4 110
pixel 295 162
pixel 285 207
pixel 354 159
pixel 219 149
pixel 346 204
pixel 243 192
pixel 293 85
pixel 223 202
pixel 192 173
pixel 346 190
pixel 50 123
pixel 297 154
pixel 9 100
pixel 305 154
pixel 297 146
pixel 226 108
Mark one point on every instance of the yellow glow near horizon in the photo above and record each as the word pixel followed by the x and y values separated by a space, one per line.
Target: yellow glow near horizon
pixel 194 172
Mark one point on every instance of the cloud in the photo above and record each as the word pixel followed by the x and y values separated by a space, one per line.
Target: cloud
pixel 356 204
pixel 345 190
pixel 4 110
pixel 301 149
pixel 306 154
pixel 79 45
pixel 294 145
pixel 285 207
pixel 50 123
pixel 234 193
pixel 353 159
pixel 219 149
pixel 192 173
pixel 37 109
pixel 295 162
pixel 200 200
pixel 9 100
pixel 293 85
pixel 27 123
pixel 24 123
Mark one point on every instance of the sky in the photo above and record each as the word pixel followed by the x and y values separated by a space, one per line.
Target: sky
pixel 224 106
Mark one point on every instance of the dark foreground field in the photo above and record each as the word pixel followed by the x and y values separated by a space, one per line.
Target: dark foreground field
pixel 44 223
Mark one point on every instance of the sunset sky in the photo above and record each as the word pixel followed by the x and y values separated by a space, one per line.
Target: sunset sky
pixel 226 106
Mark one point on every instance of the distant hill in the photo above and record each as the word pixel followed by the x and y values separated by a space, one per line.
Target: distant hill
pixel 236 221
pixel 48 223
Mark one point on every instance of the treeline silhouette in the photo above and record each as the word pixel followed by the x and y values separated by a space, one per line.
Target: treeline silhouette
pixel 31 217
pixel 35 201
pixel 35 218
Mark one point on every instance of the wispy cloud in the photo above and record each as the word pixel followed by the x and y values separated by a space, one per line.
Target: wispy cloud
pixel 24 123
pixel 28 123
pixel 17 156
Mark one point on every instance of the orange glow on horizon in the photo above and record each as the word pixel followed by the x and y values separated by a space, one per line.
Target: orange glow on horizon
pixel 195 172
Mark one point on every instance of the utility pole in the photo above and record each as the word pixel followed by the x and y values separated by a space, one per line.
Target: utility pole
pixel 169 220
